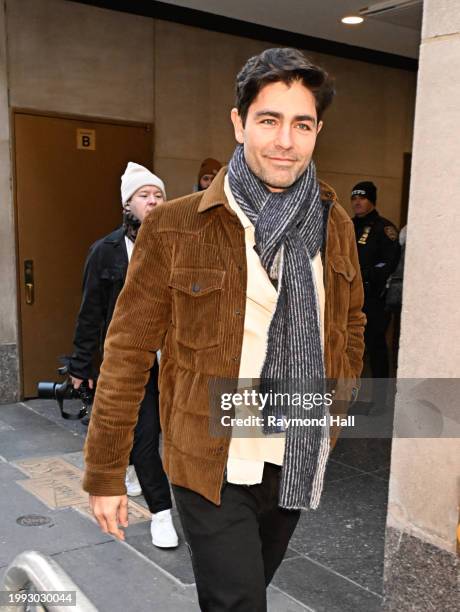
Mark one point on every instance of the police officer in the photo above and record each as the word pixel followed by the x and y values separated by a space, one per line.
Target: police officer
pixel 379 251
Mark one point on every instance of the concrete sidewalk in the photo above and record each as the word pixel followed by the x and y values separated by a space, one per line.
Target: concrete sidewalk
pixel 334 562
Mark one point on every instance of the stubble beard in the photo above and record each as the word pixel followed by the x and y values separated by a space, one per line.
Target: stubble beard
pixel 276 182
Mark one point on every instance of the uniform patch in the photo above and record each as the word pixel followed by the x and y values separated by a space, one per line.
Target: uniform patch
pixel 391 232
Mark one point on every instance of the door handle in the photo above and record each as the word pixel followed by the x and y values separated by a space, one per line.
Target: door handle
pixel 29 280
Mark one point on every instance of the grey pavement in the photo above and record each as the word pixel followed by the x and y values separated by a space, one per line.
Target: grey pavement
pixel 334 562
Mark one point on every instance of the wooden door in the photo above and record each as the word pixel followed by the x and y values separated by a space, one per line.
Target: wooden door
pixel 67 186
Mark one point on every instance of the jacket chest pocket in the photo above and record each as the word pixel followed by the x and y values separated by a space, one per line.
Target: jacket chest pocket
pixel 111 275
pixel 342 274
pixel 197 297
pixel 112 280
pixel 342 266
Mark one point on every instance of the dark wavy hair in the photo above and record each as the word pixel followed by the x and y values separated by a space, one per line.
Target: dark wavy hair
pixel 282 64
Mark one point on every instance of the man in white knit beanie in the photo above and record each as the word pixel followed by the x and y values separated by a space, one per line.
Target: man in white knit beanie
pixel 141 190
pixel 104 276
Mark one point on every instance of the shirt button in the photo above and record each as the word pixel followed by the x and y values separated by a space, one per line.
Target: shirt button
pixel 240 268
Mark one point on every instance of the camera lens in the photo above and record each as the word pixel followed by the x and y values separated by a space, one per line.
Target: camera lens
pixel 46 390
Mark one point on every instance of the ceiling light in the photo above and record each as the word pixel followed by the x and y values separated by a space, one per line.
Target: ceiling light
pixel 352 20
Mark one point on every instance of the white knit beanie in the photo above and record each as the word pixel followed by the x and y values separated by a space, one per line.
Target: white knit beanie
pixel 137 176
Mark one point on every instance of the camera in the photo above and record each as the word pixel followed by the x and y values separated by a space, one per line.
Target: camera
pixel 61 391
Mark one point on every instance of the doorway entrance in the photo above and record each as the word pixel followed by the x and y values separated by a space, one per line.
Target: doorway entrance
pixel 67 194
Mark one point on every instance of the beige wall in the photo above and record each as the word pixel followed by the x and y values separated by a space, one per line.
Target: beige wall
pixel 424 494
pixel 367 129
pixel 71 58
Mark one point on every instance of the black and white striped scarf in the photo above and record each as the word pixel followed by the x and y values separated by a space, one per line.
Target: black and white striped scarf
pixel 288 234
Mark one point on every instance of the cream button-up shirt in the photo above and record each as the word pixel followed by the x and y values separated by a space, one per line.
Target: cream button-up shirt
pixel 247 454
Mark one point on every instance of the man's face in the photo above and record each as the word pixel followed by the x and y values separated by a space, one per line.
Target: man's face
pixel 280 133
pixel 361 205
pixel 207 179
pixel 144 199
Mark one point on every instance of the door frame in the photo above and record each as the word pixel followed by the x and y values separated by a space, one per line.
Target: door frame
pixel 17 110
pixel 405 191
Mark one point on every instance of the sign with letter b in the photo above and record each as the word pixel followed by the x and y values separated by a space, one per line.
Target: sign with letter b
pixel 86 139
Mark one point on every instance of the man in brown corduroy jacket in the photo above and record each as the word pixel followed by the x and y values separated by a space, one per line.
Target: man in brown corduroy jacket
pixel 256 277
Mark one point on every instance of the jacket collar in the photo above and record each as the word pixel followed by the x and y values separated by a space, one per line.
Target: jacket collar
pixel 116 238
pixel 214 195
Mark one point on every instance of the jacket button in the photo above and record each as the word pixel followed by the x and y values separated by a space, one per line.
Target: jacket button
pixel 234 358
pixel 196 287
pixel 238 312
pixel 240 268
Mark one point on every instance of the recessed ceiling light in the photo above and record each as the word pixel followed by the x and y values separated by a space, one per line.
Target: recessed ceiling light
pixel 352 19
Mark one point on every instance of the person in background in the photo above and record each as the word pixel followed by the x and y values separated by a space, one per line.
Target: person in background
pixel 378 251
pixel 208 170
pixel 103 278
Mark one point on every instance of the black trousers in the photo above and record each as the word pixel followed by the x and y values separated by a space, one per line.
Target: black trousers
pixel 145 454
pixel 376 347
pixel 236 547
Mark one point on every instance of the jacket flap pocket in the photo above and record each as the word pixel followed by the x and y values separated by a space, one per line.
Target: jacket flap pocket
pixel 111 274
pixel 196 281
pixel 342 265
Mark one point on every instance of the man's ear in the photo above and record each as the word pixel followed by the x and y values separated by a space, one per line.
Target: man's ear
pixel 237 125
pixel 320 127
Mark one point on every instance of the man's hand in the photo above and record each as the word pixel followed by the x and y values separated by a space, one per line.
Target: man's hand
pixel 76 382
pixel 110 512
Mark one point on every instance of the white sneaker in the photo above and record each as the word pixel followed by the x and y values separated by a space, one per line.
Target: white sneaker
pixel 133 488
pixel 162 529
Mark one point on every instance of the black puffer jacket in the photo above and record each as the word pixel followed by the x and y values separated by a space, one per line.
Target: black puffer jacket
pixel 103 279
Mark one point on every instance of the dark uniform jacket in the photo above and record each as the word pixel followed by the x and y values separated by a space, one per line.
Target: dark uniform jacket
pixel 103 279
pixel 378 251
pixel 185 294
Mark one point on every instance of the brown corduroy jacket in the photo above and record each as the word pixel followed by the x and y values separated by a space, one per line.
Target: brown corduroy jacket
pixel 185 294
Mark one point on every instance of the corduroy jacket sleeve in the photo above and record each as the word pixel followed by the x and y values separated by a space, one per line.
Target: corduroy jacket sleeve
pixel 356 317
pixel 139 324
